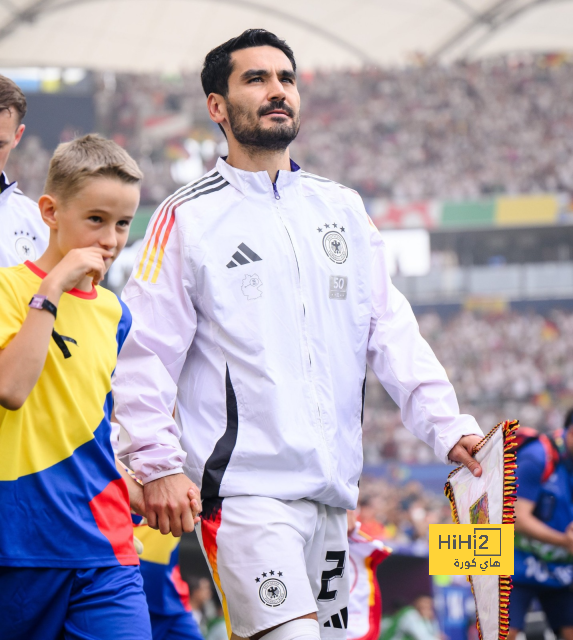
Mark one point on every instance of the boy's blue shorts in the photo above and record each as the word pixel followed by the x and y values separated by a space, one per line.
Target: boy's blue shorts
pixel 73 604
pixel 556 603
pixel 178 627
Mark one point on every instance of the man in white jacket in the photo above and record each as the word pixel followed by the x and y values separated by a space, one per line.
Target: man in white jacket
pixel 259 297
pixel 23 233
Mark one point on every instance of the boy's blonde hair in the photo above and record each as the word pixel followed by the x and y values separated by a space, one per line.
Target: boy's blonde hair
pixel 91 156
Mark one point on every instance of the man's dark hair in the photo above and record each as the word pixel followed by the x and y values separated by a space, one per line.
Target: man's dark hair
pixel 12 99
pixel 568 419
pixel 218 65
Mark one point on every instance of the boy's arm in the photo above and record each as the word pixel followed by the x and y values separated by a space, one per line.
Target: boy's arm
pixel 529 525
pixel 410 372
pixel 23 358
pixel 531 463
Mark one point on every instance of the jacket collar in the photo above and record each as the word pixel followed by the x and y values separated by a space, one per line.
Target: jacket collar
pixel 6 188
pixel 251 183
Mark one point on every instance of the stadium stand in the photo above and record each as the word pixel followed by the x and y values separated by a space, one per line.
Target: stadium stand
pixel 461 131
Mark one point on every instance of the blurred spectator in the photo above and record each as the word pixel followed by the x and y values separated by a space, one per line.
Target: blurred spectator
pixel 200 599
pixel 217 627
pixel 400 514
pixel 415 622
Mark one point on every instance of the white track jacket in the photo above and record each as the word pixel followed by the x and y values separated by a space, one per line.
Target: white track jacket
pixel 23 233
pixel 256 308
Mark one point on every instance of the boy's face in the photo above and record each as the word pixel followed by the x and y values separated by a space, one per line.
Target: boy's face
pixel 10 134
pixel 98 215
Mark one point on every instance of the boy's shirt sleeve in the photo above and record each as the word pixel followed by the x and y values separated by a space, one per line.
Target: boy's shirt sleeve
pixel 530 467
pixel 124 325
pixel 12 311
pixel 159 296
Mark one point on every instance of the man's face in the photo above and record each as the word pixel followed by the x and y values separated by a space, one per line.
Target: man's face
pixel 262 102
pixel 98 215
pixel 10 134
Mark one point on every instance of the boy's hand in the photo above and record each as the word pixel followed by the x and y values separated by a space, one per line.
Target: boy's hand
pixel 134 488
pixel 75 266
pixel 136 499
pixel 194 496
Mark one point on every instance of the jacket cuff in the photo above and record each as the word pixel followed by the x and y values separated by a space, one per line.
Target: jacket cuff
pixel 464 426
pixel 161 474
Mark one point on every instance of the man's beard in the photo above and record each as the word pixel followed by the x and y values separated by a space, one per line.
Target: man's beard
pixel 248 131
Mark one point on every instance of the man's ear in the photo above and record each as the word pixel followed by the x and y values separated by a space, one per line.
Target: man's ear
pixel 48 207
pixel 217 108
pixel 19 133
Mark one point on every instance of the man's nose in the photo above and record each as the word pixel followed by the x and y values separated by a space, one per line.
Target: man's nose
pixel 276 90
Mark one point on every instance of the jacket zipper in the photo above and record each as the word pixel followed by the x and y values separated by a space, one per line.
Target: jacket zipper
pixel 278 197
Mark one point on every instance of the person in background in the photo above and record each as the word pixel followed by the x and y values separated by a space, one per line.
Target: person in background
pixel 168 595
pixel 365 602
pixel 217 627
pixel 544 530
pixel 415 622
pixel 369 523
pixel 23 233
pixel 200 593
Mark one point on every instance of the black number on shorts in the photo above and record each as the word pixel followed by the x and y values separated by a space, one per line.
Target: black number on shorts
pixel 331 556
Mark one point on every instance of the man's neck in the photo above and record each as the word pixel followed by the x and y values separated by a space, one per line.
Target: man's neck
pixel 248 159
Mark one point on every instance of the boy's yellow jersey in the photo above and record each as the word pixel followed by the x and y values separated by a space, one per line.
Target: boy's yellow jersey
pixel 62 501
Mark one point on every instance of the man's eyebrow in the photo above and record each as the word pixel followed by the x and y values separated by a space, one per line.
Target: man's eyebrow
pixel 257 73
pixel 253 73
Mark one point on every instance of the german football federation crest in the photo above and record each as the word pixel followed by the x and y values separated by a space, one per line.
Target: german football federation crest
pixel 333 242
pixel 25 247
pixel 272 591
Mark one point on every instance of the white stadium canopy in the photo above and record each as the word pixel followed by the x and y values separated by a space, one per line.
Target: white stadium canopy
pixel 174 35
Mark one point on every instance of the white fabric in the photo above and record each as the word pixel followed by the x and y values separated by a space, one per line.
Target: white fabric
pixel 362 565
pixel 261 540
pixel 305 629
pixel 23 234
pixel 296 356
pixel 467 490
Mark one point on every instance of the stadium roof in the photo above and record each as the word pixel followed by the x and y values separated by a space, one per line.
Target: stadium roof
pixel 171 35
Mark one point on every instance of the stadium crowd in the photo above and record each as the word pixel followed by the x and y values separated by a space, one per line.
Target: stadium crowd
pixel 503 367
pixel 501 125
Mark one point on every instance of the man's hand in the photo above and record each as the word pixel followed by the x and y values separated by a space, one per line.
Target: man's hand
pixel 462 453
pixel 172 504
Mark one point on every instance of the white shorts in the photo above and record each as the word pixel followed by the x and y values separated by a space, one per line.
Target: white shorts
pixel 275 560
